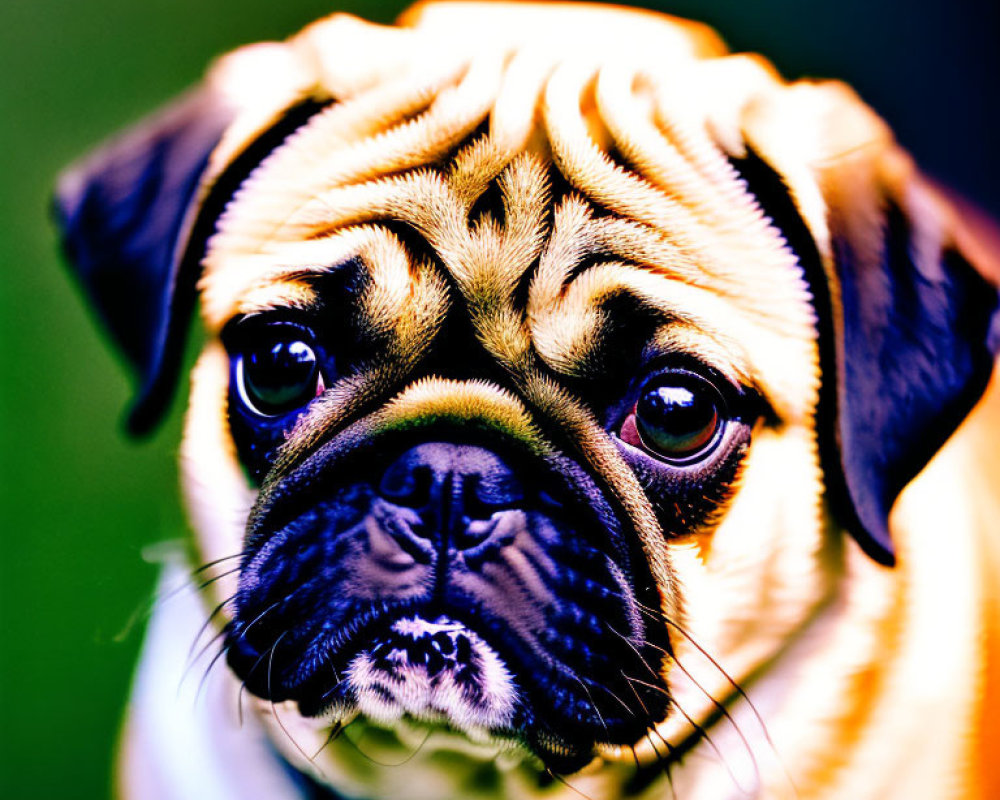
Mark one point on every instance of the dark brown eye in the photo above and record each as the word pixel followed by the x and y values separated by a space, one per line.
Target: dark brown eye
pixel 278 377
pixel 678 417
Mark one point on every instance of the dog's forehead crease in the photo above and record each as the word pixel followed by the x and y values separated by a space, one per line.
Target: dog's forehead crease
pixel 629 142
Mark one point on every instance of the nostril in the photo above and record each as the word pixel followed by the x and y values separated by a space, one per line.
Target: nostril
pixel 407 485
pixel 483 497
pixel 473 508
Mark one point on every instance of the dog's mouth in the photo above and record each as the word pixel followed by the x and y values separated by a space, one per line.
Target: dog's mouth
pixel 449 591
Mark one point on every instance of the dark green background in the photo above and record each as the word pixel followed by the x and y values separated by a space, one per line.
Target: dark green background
pixel 79 502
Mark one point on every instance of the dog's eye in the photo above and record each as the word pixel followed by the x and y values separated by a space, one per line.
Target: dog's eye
pixel 278 377
pixel 678 416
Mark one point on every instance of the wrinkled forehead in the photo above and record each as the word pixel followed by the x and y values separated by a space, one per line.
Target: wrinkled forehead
pixel 602 162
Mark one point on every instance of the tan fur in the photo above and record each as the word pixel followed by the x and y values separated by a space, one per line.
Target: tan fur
pixel 866 682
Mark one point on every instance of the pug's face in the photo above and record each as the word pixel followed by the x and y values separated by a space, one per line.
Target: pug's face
pixel 525 364
pixel 495 445
pixel 476 439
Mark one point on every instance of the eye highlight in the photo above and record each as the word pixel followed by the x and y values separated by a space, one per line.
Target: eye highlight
pixel 679 417
pixel 278 376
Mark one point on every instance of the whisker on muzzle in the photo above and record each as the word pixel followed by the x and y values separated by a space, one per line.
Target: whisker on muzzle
pixel 335 732
pixel 708 695
pixel 208 565
pixel 162 595
pixel 665 762
pixel 204 627
pixel 557 777
pixel 270 693
pixel 659 616
pixel 208 670
pixel 373 760
pixel 197 657
pixel 260 659
pixel 703 734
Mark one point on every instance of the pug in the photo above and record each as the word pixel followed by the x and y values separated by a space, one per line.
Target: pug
pixel 583 411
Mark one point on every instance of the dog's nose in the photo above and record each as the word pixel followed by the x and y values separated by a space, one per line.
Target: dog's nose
pixel 452 487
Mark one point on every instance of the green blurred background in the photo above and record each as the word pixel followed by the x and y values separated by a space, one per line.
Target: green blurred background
pixel 79 502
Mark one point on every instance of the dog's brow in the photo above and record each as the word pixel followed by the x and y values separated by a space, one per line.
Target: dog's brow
pixel 588 175
pixel 285 274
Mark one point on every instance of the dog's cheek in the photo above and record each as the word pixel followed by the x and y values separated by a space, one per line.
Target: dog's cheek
pixel 770 562
pixel 216 491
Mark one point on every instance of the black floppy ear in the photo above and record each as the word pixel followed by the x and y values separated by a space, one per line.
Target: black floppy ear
pixel 126 212
pixel 918 327
pixel 136 215
pixel 908 320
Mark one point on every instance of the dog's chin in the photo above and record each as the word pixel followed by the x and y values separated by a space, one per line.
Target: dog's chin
pixel 422 678
pixel 435 672
pixel 439 676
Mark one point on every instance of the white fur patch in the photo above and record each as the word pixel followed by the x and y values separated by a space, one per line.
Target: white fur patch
pixel 395 684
